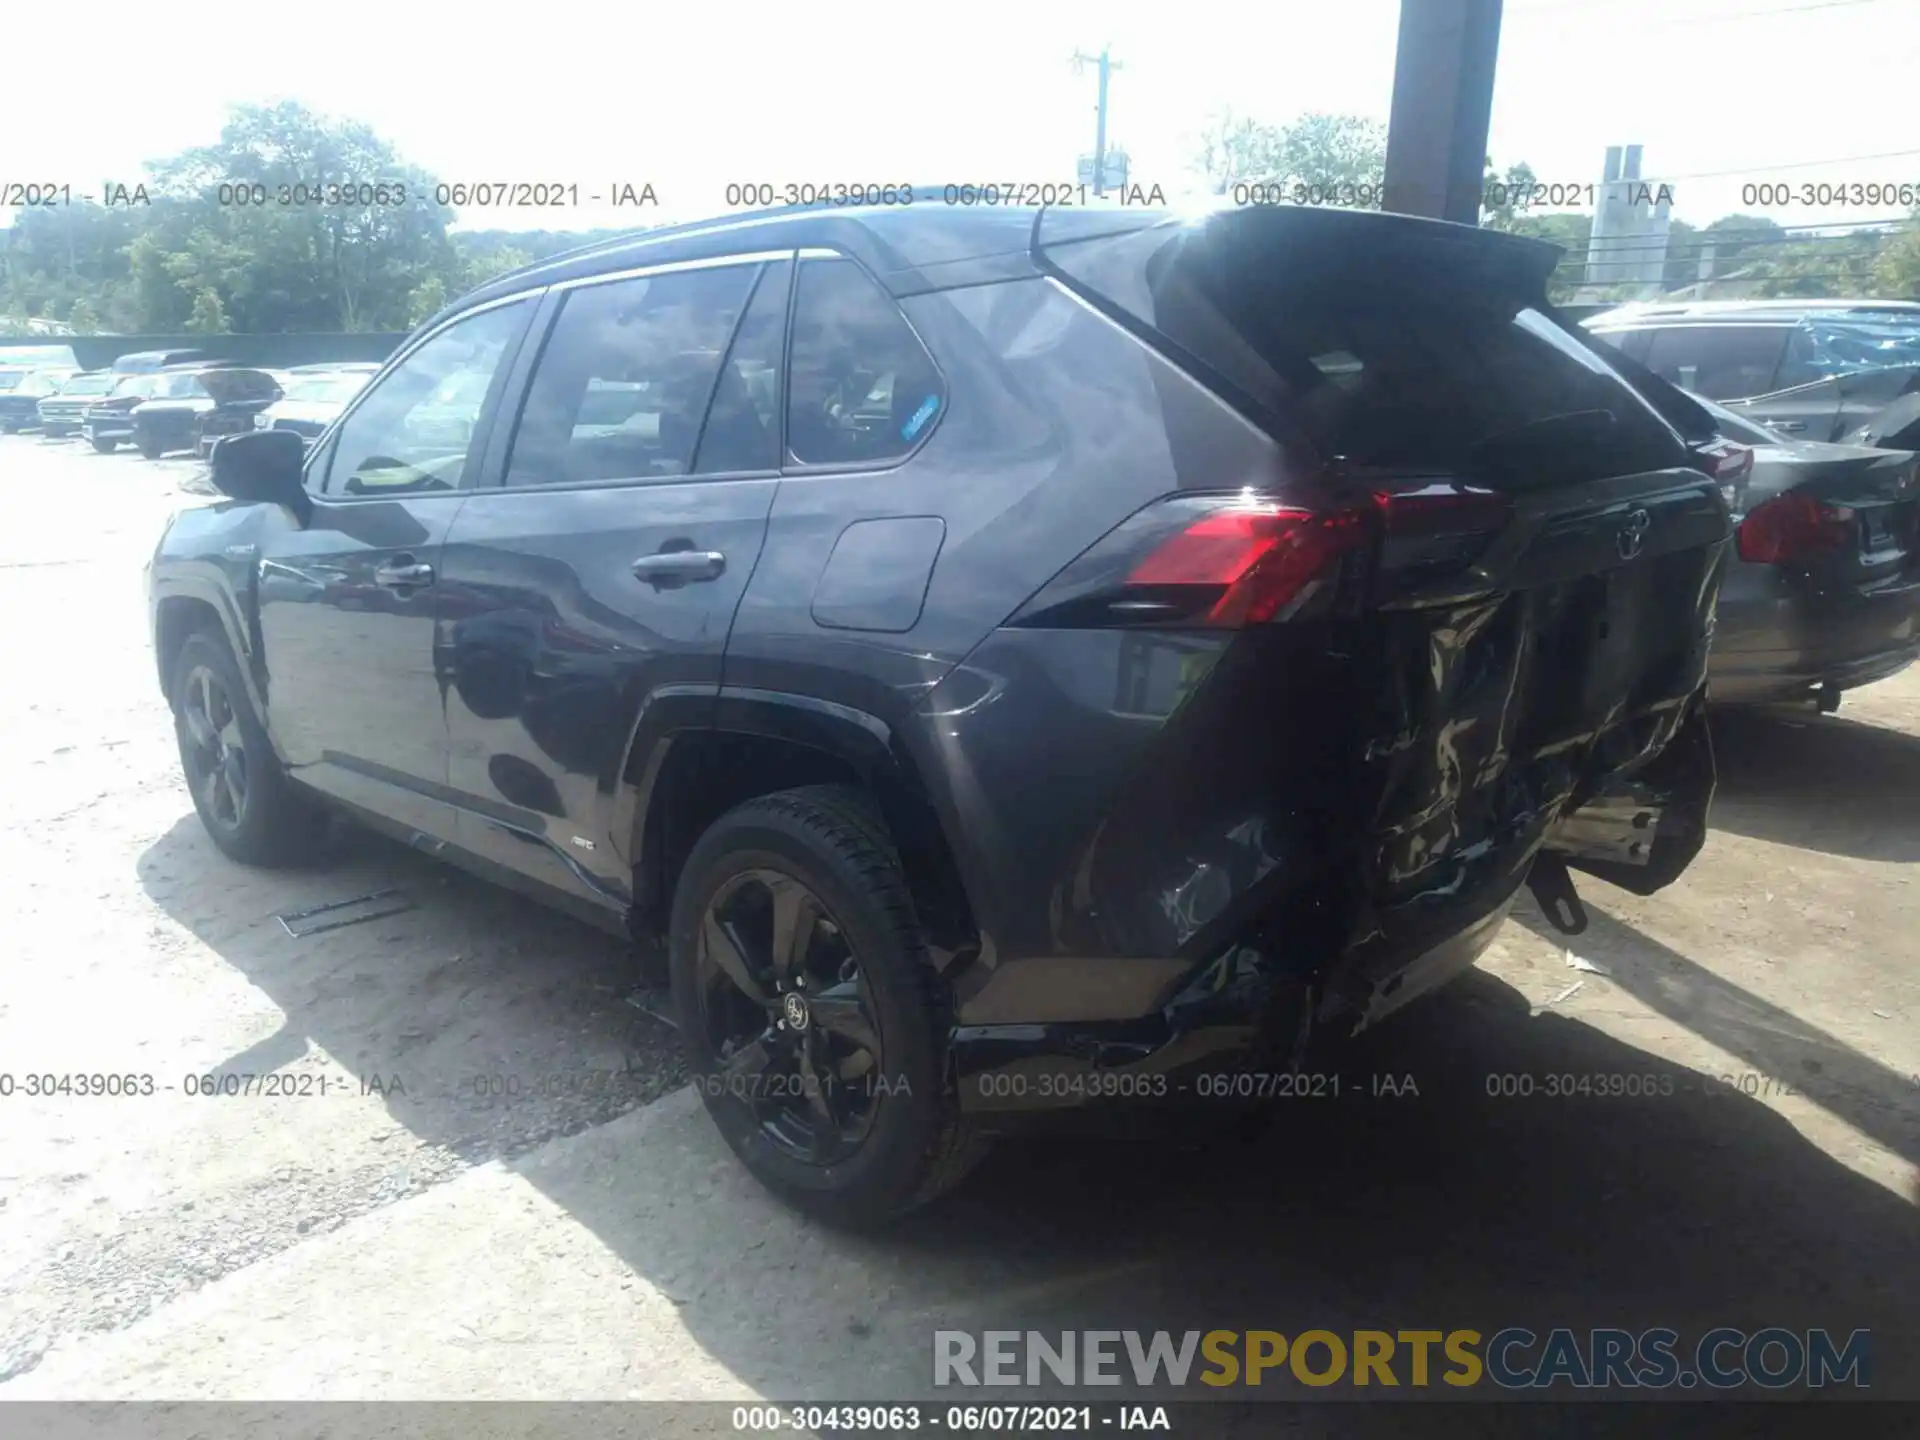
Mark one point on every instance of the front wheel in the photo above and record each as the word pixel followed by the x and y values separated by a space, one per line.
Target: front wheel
pixel 104 447
pixel 251 810
pixel 814 1023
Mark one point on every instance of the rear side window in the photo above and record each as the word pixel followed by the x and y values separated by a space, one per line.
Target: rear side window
pixel 1721 362
pixel 863 388
pixel 622 387
pixel 1387 346
pixel 743 422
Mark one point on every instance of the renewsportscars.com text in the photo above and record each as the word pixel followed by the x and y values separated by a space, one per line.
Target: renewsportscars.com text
pixel 1515 1358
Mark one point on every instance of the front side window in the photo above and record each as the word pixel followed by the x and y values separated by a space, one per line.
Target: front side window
pixel 863 388
pixel 413 430
pixel 624 382
pixel 1721 362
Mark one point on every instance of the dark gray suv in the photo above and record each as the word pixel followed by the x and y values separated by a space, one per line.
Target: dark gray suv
pixel 1013 659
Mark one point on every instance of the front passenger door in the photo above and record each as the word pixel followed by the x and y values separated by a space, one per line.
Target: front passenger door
pixel 349 602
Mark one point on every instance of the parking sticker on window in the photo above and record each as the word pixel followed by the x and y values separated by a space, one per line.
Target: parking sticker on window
pixel 920 417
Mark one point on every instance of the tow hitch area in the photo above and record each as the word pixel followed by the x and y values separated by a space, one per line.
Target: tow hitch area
pixel 1552 885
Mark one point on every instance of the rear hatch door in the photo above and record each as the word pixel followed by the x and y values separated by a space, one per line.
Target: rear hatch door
pixel 1528 628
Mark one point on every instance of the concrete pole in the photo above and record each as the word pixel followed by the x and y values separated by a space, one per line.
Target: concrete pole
pixel 1442 100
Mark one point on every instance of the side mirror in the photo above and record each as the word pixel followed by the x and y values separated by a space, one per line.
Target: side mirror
pixel 263 465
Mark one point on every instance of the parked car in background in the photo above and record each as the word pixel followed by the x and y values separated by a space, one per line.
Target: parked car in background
pixel 62 411
pixel 1824 595
pixel 200 403
pixel 312 398
pixel 21 392
pixel 145 362
pixel 108 421
pixel 1805 369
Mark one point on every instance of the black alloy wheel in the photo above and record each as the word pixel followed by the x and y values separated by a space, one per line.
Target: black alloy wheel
pixel 251 809
pixel 213 749
pixel 787 1010
pixel 814 1021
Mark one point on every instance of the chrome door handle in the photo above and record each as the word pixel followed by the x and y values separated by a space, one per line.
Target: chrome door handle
pixel 399 576
pixel 680 565
pixel 1787 427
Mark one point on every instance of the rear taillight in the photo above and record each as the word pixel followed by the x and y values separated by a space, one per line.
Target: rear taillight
pixel 1793 527
pixel 1203 561
pixel 1726 461
pixel 1245 566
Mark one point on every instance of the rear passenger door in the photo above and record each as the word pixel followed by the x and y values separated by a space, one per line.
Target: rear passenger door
pixel 588 587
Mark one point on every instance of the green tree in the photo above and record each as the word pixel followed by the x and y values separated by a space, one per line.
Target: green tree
pixel 1317 150
pixel 308 264
pixel 1506 199
pixel 1896 270
pixel 427 300
pixel 83 318
pixel 1732 237
pixel 209 316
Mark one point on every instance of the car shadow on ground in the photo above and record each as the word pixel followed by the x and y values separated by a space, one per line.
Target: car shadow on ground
pixel 1777 1053
pixel 1819 782
pixel 1473 1197
pixel 491 1024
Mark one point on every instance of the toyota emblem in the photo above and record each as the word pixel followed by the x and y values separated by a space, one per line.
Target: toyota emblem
pixel 1633 533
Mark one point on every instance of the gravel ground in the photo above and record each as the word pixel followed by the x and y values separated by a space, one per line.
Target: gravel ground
pixel 141 1236
pixel 477 1025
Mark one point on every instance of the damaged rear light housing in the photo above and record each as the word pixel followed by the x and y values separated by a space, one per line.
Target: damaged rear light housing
pixel 1244 565
pixel 1791 528
pixel 1212 562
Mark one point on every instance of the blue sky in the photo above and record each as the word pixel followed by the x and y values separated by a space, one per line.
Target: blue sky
pixel 691 97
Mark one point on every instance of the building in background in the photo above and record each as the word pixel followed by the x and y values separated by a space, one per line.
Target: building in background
pixel 1630 224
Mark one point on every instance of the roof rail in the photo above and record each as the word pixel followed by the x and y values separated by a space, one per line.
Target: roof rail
pixel 922 195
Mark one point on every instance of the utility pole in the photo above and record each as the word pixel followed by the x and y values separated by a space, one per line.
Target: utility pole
pixel 1107 65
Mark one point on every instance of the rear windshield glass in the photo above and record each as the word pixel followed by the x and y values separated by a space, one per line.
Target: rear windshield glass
pixel 236 385
pixel 1434 356
pixel 176 387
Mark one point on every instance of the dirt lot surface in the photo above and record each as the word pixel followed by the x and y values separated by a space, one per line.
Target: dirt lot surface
pixel 514 1211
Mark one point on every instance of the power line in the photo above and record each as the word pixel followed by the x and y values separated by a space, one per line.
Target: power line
pixel 1691 246
pixel 1787 165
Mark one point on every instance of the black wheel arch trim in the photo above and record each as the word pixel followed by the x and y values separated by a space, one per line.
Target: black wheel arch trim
pixel 236 628
pixel 864 743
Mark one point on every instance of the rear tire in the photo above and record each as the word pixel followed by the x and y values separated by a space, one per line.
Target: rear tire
pixel 862 1129
pixel 104 447
pixel 150 448
pixel 251 810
